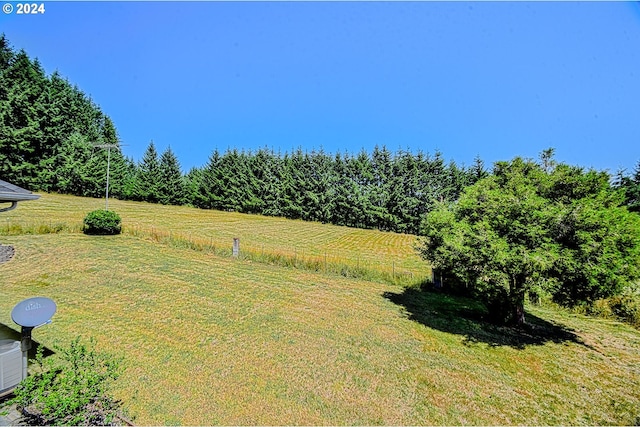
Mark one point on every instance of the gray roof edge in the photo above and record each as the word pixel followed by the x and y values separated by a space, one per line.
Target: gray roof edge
pixel 12 193
pixel 11 197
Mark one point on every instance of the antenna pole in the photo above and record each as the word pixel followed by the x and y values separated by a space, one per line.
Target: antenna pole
pixel 108 147
pixel 106 196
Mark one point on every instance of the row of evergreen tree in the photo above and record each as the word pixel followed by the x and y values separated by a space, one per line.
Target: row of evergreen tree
pixel 379 190
pixel 49 130
pixel 630 184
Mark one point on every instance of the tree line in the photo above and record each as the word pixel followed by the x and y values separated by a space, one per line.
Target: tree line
pixel 49 130
pixel 523 227
pixel 47 127
pixel 383 190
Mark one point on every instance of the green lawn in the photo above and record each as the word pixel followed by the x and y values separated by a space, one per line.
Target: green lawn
pixel 216 340
pixel 385 252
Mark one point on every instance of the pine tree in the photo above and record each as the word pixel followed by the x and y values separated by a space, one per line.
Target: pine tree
pixel 344 193
pixel 273 179
pixel 171 187
pixel 208 188
pixel 6 53
pixel 262 181
pixel 630 185
pixel 382 165
pixel 21 135
pixel 231 177
pixel 320 185
pixel 633 191
pixel 292 185
pixel 148 176
pixel 70 162
pixel 192 185
pixel 477 170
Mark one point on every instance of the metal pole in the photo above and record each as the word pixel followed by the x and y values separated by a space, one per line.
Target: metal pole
pixel 25 346
pixel 106 208
pixel 108 147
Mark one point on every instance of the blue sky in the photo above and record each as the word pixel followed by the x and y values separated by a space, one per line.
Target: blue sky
pixel 493 79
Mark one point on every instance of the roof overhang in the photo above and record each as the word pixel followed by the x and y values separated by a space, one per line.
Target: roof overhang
pixel 13 194
pixel 8 197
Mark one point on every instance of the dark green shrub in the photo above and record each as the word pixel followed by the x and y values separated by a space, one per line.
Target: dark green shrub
pixel 626 308
pixel 70 388
pixel 102 222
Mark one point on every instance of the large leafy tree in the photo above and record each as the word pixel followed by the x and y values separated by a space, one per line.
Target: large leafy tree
pixel 529 225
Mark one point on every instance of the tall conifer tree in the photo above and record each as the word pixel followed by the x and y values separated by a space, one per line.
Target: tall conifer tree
pixel 148 176
pixel 171 189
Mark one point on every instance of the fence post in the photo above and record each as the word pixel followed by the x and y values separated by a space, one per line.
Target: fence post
pixel 236 246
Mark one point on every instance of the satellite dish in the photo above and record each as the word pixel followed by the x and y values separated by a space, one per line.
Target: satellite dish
pixel 33 312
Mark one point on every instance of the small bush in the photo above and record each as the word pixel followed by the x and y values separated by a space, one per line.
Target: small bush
pixel 102 222
pixel 626 308
pixel 72 389
pixel 600 308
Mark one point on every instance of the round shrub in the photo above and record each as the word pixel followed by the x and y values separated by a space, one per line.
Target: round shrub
pixel 102 222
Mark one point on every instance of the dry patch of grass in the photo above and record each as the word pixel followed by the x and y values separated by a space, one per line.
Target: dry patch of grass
pixel 213 340
pixel 278 239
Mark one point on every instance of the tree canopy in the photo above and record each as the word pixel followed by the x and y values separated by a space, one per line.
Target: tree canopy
pixel 534 226
pixel 631 187
pixel 49 130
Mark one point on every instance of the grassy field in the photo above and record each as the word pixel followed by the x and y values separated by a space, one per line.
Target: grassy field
pixel 391 254
pixel 215 340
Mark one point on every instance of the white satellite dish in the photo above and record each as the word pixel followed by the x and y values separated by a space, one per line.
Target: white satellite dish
pixel 29 314
pixel 33 312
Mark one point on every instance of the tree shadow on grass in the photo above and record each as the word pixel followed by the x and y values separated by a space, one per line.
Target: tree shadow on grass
pixel 467 317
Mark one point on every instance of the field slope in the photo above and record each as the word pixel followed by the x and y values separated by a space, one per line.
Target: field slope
pixel 387 252
pixel 215 340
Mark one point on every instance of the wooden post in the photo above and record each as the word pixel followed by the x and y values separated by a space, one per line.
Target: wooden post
pixel 236 246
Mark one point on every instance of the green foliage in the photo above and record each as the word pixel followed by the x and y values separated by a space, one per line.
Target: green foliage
pixel 148 176
pixel 102 222
pixel 70 388
pixel 49 129
pixel 171 188
pixel 38 116
pixel 530 226
pixel 624 306
pixel 630 185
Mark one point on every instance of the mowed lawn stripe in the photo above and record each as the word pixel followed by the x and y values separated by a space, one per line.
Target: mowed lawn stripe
pixel 384 250
pixel 211 340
